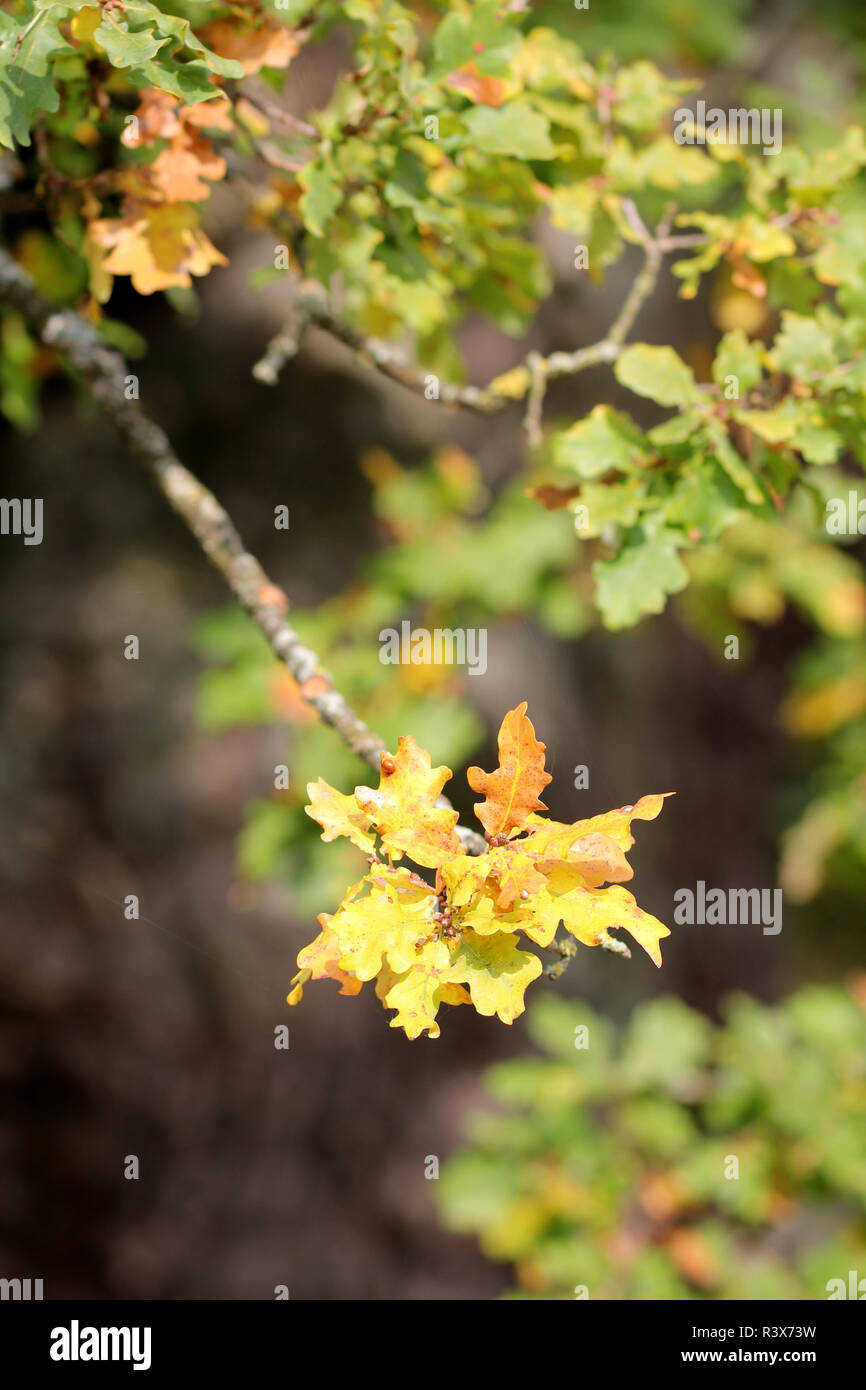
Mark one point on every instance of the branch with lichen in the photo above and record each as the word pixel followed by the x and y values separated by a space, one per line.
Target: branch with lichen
pixel 566 949
pixel 526 381
pixel 106 374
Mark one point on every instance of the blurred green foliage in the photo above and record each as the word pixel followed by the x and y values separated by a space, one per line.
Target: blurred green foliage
pixel 678 1160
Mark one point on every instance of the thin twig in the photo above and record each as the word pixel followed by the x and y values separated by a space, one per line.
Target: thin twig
pixel 285 344
pixel 385 357
pixel 535 399
pixel 619 948
pixel 644 283
pixel 105 372
pixel 566 949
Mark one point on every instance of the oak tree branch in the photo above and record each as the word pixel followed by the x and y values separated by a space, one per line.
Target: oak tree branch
pixel 310 306
pixel 106 374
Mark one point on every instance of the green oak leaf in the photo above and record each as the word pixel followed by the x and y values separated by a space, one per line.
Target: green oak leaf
pixel 27 44
pixel 803 348
pixel 736 468
pixel 638 579
pixel 604 441
pixel 189 82
pixel 658 373
pixel 737 357
pixel 321 198
pixel 483 37
pixel 127 48
pixel 514 130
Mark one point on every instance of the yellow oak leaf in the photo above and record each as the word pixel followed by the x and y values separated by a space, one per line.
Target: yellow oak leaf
pixel 321 960
pixel 515 873
pixel 384 926
pixel 385 979
pixel 540 921
pixel 455 994
pixel 418 992
pixel 85 23
pixel 615 824
pixel 464 876
pixel 590 860
pixel 158 247
pixel 482 915
pixel 446 994
pixel 511 792
pixel 404 811
pixel 506 870
pixel 589 913
pixel 339 815
pixel 495 971
pixel 457 942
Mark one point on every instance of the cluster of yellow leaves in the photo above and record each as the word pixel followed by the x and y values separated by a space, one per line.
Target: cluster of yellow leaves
pixel 457 941
pixel 158 240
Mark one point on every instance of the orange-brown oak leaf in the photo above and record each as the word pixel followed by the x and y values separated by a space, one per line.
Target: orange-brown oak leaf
pixel 267 45
pixel 480 88
pixel 511 792
pixel 177 174
pixel 179 171
pixel 159 248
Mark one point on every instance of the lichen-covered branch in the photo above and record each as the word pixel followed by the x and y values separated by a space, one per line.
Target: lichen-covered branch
pixel 528 381
pixel 311 307
pixel 107 376
pixel 566 949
